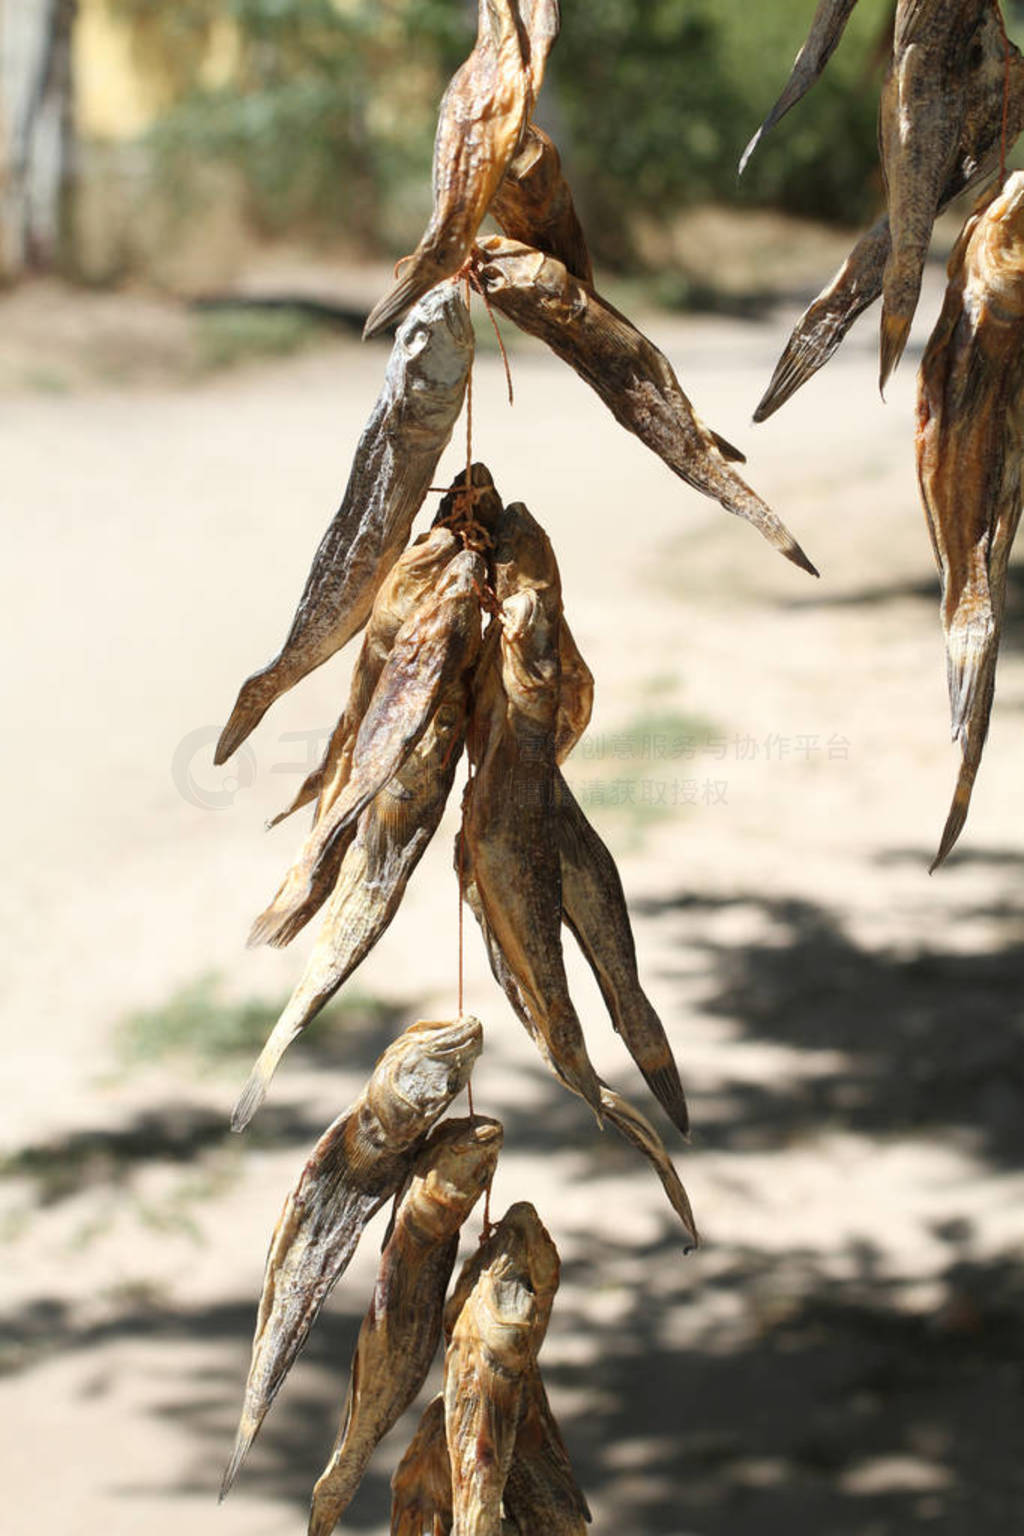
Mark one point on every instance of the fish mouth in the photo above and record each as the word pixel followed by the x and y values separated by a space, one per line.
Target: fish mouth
pixel 461 1035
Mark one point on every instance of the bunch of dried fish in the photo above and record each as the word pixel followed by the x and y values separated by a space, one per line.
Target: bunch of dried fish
pixel 970 453
pixel 355 1167
pixel 394 464
pixel 529 859
pixel 402 1329
pixel 953 101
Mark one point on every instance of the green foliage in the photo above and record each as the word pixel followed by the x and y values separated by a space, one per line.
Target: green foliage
pixel 660 97
pixel 226 338
pixel 328 110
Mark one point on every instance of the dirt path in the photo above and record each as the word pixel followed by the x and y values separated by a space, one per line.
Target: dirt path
pixel 769 758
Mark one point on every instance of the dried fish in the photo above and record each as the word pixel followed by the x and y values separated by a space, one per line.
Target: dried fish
pixel 534 205
pixel 594 907
pixel 421 1489
pixel 355 1167
pixel 485 1370
pixel 631 376
pixel 508 820
pixel 434 651
pixel 402 1329
pixel 858 283
pixel 827 29
pixel 825 322
pixel 540 24
pixel 480 126
pixel 920 123
pixel 970 452
pixel 394 464
pixel 391 836
pixel 542 1496
pixel 410 583
pixel 627 1120
pixel 523 557
pixel 523 1235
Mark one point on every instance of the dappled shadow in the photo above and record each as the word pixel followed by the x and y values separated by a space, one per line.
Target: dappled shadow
pixel 929 1040
pixel 819 1407
pixel 735 1391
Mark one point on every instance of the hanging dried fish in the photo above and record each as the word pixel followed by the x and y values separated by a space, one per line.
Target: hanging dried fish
pixel 410 583
pixel 970 451
pixel 508 821
pixel 521 1234
pixel 401 1331
pixel 434 652
pixel 394 464
pixel 827 29
pixel 631 376
pixel 534 205
pixel 523 556
pixel 421 1489
pixel 920 123
pixel 858 283
pixel 594 907
pixel 391 836
pixel 542 1496
pixel 540 24
pixel 355 1167
pixel 480 125
pixel 627 1120
pixel 485 1370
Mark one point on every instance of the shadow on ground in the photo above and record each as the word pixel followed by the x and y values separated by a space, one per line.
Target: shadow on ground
pixel 740 1392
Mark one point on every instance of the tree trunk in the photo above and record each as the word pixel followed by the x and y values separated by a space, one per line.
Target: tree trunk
pixel 36 133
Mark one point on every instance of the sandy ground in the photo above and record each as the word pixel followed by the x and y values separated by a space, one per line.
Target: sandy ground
pixel 843 1357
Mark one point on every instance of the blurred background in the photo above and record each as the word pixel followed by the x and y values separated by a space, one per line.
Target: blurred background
pixel 199 202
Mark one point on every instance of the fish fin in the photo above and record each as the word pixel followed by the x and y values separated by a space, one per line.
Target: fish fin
pixel 728 450
pixel 243 1441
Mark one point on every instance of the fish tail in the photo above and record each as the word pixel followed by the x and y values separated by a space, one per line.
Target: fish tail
pixel 286 916
pixel 961 802
pixel 303 1005
pixel 968 663
pixel 632 1125
pixel 246 1435
pixel 800 360
pixel 894 334
pixel 664 1083
pixel 955 820
pixel 255 697
pixel 418 278
pixel 738 498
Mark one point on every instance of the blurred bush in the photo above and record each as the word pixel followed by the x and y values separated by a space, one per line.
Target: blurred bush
pixel 325 109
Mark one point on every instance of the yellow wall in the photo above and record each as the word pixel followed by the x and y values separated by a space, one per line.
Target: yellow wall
pixel 115 100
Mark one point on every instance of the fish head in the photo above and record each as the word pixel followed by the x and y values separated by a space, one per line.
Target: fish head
pixel 523 555
pixel 525 1234
pixel 485 509
pixel 996 258
pixel 529 657
pixel 458 1163
pixel 429 1065
pixel 433 351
